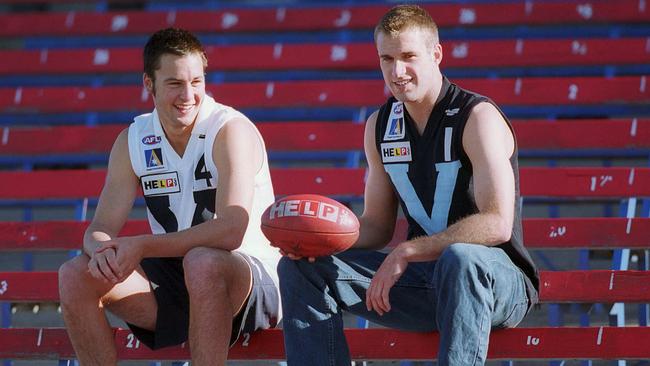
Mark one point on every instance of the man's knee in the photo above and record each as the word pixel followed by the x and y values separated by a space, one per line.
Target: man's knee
pixel 463 259
pixel 290 270
pixel 209 268
pixel 71 274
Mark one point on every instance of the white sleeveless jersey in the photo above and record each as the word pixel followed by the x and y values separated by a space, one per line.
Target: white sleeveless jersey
pixel 180 192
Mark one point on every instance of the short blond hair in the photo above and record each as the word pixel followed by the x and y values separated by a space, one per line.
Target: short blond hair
pixel 403 17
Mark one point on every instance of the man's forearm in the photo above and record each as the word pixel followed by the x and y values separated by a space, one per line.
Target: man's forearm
pixel 217 233
pixel 372 236
pixel 481 228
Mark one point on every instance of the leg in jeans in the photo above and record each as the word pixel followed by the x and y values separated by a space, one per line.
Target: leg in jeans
pixel 313 295
pixel 477 288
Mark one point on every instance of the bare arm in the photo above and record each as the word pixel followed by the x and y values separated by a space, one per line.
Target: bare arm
pixel 380 204
pixel 115 203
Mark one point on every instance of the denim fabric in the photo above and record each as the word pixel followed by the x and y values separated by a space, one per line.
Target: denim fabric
pixel 466 292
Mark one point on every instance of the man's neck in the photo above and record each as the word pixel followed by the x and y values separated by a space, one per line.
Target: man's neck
pixel 178 137
pixel 420 111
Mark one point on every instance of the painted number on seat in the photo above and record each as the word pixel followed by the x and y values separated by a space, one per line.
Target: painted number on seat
pixel 132 342
pixel 247 338
pixel 600 181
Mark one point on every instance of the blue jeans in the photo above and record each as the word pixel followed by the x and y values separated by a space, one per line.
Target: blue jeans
pixel 467 291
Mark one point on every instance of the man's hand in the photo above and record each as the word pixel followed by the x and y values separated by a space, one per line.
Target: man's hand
pixel 116 259
pixel 103 266
pixel 296 257
pixel 389 272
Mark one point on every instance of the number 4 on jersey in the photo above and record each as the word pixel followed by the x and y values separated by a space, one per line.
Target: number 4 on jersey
pixel 202 172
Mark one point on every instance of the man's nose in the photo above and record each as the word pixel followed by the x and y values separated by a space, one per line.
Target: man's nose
pixel 399 68
pixel 187 92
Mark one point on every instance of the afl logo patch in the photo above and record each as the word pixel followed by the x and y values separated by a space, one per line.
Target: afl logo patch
pixel 395 127
pixel 151 140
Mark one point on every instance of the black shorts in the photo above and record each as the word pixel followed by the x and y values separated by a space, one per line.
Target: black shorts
pixel 166 278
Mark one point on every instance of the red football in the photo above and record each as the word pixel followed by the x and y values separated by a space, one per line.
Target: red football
pixel 310 225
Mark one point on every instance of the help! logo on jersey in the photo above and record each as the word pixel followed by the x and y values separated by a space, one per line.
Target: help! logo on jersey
pixel 163 183
pixel 393 152
pixel 310 225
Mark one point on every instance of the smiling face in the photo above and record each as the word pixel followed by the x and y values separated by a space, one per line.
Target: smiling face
pixel 409 62
pixel 178 89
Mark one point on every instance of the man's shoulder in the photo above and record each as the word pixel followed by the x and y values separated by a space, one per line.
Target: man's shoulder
pixel 142 120
pixel 465 97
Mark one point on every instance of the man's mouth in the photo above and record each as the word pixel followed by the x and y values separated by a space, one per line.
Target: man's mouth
pixel 402 82
pixel 184 108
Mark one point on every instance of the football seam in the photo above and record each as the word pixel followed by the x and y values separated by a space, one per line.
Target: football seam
pixel 310 232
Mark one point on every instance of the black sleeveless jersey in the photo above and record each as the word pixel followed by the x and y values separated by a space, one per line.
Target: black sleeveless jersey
pixel 432 175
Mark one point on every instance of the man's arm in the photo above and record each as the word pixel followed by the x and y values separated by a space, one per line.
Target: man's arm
pixel 489 143
pixel 377 223
pixel 113 208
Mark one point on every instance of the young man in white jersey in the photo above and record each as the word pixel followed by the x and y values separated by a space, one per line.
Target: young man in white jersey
pixel 206 274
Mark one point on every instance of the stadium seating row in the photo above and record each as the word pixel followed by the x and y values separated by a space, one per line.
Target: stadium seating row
pixel 539 233
pixel 563 286
pixel 354 93
pixel 344 182
pixel 353 56
pixel 542 135
pixel 284 19
pixel 373 344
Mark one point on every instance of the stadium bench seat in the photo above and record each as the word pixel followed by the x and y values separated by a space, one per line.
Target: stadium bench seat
pixel 284 19
pixel 352 56
pixel 352 93
pixel 606 137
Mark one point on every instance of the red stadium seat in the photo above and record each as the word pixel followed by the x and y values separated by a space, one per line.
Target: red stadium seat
pixel 562 286
pixel 350 93
pixel 375 344
pixel 334 136
pixel 535 182
pixel 354 56
pixel 315 18
pixel 539 233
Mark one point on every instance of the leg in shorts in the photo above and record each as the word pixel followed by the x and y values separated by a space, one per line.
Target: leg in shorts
pixel 167 281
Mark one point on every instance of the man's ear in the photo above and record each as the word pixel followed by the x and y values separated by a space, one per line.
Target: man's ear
pixel 148 83
pixel 437 53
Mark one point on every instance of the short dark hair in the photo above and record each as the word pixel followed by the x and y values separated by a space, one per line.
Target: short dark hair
pixel 174 41
pixel 403 17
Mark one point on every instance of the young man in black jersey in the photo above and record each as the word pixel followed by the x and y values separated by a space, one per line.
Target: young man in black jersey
pixel 449 158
